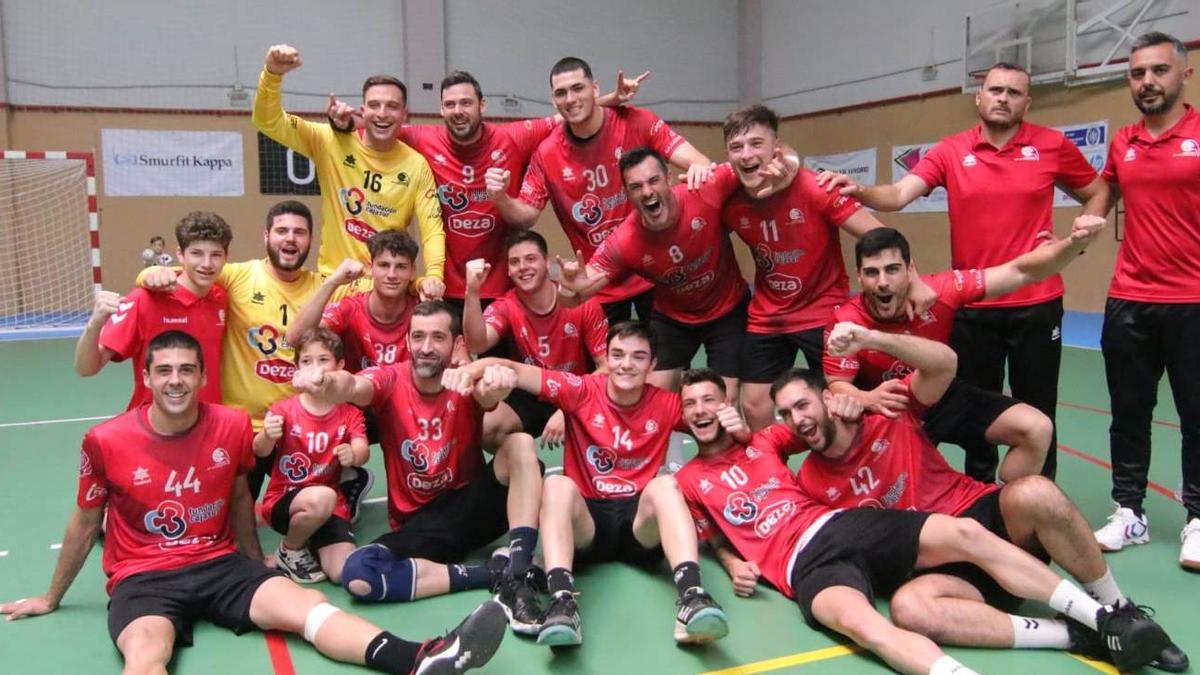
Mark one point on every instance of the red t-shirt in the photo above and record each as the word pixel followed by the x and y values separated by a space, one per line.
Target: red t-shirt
pixel 692 265
pixel 168 497
pixel 473 226
pixel 869 368
pixel 368 342
pixel 143 314
pixel 800 276
pixel 610 450
pixel 1001 200
pixel 1160 183
pixel 891 465
pixel 304 455
pixel 566 338
pixel 581 180
pixel 748 495
pixel 430 442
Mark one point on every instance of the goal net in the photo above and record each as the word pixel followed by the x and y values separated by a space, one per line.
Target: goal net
pixel 49 243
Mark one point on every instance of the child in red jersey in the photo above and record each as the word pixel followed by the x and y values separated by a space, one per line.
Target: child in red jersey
pixel 314 441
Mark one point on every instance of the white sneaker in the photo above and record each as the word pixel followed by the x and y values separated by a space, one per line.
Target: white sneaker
pixel 1124 528
pixel 300 565
pixel 1189 553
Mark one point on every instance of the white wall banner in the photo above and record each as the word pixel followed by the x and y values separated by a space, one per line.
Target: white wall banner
pixel 1092 140
pixel 150 163
pixel 858 164
pixel 904 158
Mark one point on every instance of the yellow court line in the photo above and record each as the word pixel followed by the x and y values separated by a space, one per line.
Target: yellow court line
pixel 785 661
pixel 1106 668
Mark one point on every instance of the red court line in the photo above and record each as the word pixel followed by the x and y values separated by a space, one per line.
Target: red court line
pixel 1105 411
pixel 1079 454
pixel 277 649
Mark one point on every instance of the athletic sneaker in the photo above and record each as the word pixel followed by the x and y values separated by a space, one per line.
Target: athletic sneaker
pixel 1124 528
pixel 470 645
pixel 519 599
pixel 1131 637
pixel 300 565
pixel 1087 642
pixel 700 618
pixel 1189 552
pixel 561 627
pixel 356 488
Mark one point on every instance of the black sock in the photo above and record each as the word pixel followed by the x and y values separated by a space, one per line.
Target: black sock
pixel 390 654
pixel 686 575
pixel 467 577
pixel 560 580
pixel 521 543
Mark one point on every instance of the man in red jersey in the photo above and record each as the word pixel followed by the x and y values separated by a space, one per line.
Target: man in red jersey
pixel 182 546
pixel 832 562
pixel 1152 317
pixel 121 327
pixel 967 415
pixel 609 504
pixel 575 169
pixel 1000 177
pixel 889 462
pixel 545 334
pixel 443 500
pixel 373 325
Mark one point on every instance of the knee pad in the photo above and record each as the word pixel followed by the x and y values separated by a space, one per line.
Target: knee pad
pixel 391 579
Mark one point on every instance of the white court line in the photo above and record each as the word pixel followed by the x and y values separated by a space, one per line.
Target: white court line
pixel 60 421
pixel 3 554
pixel 374 500
pixel 55 547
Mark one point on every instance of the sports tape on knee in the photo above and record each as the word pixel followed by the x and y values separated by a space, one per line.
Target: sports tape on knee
pixel 317 616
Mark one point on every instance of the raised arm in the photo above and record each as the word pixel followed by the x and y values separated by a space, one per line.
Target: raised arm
pixel 81 533
pixel 479 336
pixel 513 211
pixel 935 363
pixel 309 315
pixel 338 386
pixel 90 357
pixel 577 282
pixel 268 115
pixel 1042 261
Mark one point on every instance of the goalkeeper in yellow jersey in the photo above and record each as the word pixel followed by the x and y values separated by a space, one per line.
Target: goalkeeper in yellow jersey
pixel 367 185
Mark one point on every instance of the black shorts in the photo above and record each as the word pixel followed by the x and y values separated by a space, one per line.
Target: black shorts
pixel 766 357
pixel 676 343
pixel 623 310
pixel 869 550
pixel 532 411
pixel 964 413
pixel 614 540
pixel 455 523
pixel 336 530
pixel 219 590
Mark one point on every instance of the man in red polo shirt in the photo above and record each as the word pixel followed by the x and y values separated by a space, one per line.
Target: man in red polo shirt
pixel 1152 317
pixel 1000 177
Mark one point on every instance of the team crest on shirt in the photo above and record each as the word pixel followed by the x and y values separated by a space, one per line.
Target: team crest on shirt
pixel 880 446
pixel 603 460
pixel 739 508
pixel 295 467
pixel 969 160
pixel 141 476
pixel 498 155
pixel 1130 154
pixel 1028 154
pixel 85 465
pixel 752 453
pixel 569 329
pixel 219 458
pixel 168 519
pixel 1188 147
pixel 698 224
pixel 651 426
pixel 620 151
pixel 795 217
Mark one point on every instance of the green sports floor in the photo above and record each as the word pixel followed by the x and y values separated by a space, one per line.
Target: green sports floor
pixel 627 613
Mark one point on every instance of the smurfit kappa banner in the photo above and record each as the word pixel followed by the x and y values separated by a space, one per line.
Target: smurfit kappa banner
pixel 153 163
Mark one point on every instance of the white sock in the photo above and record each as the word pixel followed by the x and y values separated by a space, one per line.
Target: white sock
pixel 675 452
pixel 948 666
pixel 1038 633
pixel 1104 589
pixel 1073 602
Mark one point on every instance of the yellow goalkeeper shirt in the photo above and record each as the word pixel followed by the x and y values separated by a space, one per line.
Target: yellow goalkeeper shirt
pixel 362 191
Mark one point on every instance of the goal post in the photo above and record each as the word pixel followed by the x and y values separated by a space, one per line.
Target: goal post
pixel 49 243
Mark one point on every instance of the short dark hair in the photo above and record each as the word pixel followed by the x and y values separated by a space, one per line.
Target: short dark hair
pixel 174 339
pixel 322 336
pixel 698 375
pixel 377 80
pixel 519 236
pixel 813 378
pixel 202 226
pixel 626 329
pixel 460 77
pixel 638 155
pixel 742 119
pixel 289 207
pixel 879 240
pixel 434 307
pixel 396 242
pixel 1155 38
pixel 1005 65
pixel 157 238
pixel 571 63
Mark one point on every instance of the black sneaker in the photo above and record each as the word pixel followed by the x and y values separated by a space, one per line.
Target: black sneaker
pixel 356 489
pixel 497 567
pixel 561 627
pixel 1172 660
pixel 700 618
pixel 470 645
pixel 1084 640
pixel 520 602
pixel 1131 638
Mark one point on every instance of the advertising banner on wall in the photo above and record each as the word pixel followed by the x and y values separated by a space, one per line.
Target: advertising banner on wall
pixel 858 164
pixel 904 158
pixel 154 163
pixel 283 171
pixel 1092 140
